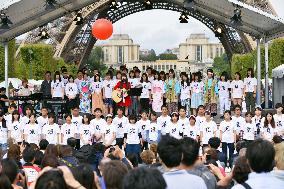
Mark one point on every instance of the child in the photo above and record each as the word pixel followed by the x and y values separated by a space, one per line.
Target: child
pixel 279 118
pixel 120 122
pixel 15 128
pixel 143 123
pixel 57 87
pixel 192 131
pixel 32 131
pixel 3 133
pixel 97 97
pixel 77 121
pixel 146 91
pixel 196 93
pixel 228 136
pixel 98 124
pixel 173 128
pixel 164 119
pixel 153 132
pixel 109 133
pixel 224 87
pixel 185 93
pixel 68 129
pixel 207 129
pixel 258 121
pixel 86 131
pixel 51 131
pixel 183 120
pixel 269 128
pixel 108 85
pixel 248 129
pixel 238 120
pixel 43 119
pixel 132 137
pixel 71 91
pixel 200 118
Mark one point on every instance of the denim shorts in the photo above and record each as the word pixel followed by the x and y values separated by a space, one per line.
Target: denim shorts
pixel 108 101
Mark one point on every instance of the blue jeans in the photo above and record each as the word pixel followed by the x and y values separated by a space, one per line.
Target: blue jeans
pixel 231 147
pixel 133 149
pixel 133 108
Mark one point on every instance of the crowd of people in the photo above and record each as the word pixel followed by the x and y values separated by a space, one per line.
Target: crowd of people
pixel 161 134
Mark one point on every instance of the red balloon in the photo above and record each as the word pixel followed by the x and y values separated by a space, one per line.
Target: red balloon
pixel 102 29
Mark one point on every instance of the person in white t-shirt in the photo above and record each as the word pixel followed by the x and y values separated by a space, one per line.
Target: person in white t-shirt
pixel 24 120
pixel 250 84
pixel 97 93
pixel 185 93
pixel 224 93
pixel 200 118
pixel 237 89
pixel 269 128
pixel 51 131
pixel 77 121
pixel 143 123
pixel 108 85
pixel 192 130
pixel 207 129
pixel 197 88
pixel 12 108
pixel 164 120
pixel 3 133
pixel 132 137
pixel 79 79
pixel 228 136
pixel 15 128
pixel 86 131
pixel 248 129
pixel 98 124
pixel 134 83
pixel 71 91
pixel 43 119
pixel 258 120
pixel 68 129
pixel 57 87
pixel 153 132
pixel 32 131
pixel 183 121
pixel 120 122
pixel 173 128
pixel 238 120
pixel 279 119
pixel 146 93
pixel 109 133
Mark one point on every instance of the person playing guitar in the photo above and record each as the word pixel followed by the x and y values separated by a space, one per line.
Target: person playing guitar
pixel 123 86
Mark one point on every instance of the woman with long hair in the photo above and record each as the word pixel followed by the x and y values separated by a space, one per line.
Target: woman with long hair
pixel 196 93
pixel 185 93
pixel 269 128
pixel 85 95
pixel 57 87
pixel 172 90
pixel 157 92
pixel 237 91
pixel 97 97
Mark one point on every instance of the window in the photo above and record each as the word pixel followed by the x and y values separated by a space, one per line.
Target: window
pixel 159 67
pixel 106 56
pixel 171 66
pixel 175 67
pixel 221 51
pixel 144 68
pixel 198 53
pixel 120 55
pixel 167 67
pixel 155 67
pixel 217 51
pixel 211 52
pixel 163 67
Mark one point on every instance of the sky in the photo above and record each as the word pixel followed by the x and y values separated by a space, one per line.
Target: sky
pixel 161 30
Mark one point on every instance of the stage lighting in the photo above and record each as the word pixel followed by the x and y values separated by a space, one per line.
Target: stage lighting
pixel 236 20
pixel 50 4
pixel 183 18
pixel 189 4
pixel 79 19
pixel 218 32
pixel 43 34
pixel 114 5
pixel 5 21
pixel 148 4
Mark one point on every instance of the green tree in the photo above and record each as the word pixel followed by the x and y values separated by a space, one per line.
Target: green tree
pixel 11 60
pixel 95 60
pixel 150 57
pixel 166 56
pixel 221 64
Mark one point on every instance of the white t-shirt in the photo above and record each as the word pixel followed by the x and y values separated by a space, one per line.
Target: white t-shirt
pixel 68 131
pixel 197 87
pixel 237 88
pixel 24 121
pixel 153 129
pixel 250 83
pixel 184 91
pixel 258 121
pixel 239 122
pixel 163 122
pixel 227 128
pixel 174 130
pixel 132 131
pixel 191 131
pixel 57 88
pixel 64 81
pixel 77 121
pixel 207 129
pixel 97 87
pixel 134 82
pixel 279 120
pixel 146 88
pixel 268 132
pixel 109 130
pixel 8 118
pixel 108 87
pixel 142 126
pixel 183 123
pixel 51 133
pixel 33 132
pixel 71 90
pixel 223 89
pixel 41 121
pixel 86 132
pixel 3 134
pixel 98 126
pixel 249 130
pixel 16 129
pixel 78 82
pixel 199 121
pixel 120 124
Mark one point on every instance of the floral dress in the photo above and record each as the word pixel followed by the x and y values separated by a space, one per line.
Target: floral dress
pixel 157 95
pixel 85 101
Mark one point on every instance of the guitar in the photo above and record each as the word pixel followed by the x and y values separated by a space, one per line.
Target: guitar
pixel 119 95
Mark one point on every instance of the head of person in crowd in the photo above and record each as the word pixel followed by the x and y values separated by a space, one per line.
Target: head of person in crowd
pixel 71 79
pixel 124 78
pixel 149 71
pixel 153 116
pixel 10 169
pixel 47 76
pixel 96 71
pixel 279 108
pixel 208 116
pixel 190 151
pixel 75 111
pixel 119 112
pixel 113 173
pixel 131 74
pixel 5 182
pixel 52 179
pixel 98 113
pixel 210 156
pixel 142 178
pixel 137 73
pixel 250 73
pixel 147 157
pixel 185 80
pixel 85 176
pixel 156 75
pixel 14 152
pixel 44 111
pixel 258 111
pixel 64 73
pixel 144 78
pixel 38 157
pixel 197 77
pixel 241 170
pixel 33 119
pixel 49 160
pixel 248 117
pixel 52 149
pixel 238 76
pixel 29 155
pixel 240 145
pixel 210 73
pixel 133 159
pixel 276 139
pixel 170 152
pixel 124 70
pixel 165 110
pixel 174 117
pixel 279 156
pixel 28 110
pixel 238 110
pixel 80 74
pixel 154 148
pixel 224 76
pixel 85 77
pixel 97 77
pixel 57 77
pixel 201 110
pixel 214 142
pixel 192 120
pixel 65 151
pixel 171 74
pixel 25 83
pixel 12 107
pixel 43 144
pixel 182 112
pixel 259 161
pixel 118 75
pixel 227 115
pixel 269 120
pixel 162 75
pixel 51 118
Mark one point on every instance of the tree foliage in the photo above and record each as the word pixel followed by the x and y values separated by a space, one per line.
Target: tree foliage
pixel 95 60
pixel 221 64
pixel 167 56
pixel 150 57
pixel 11 60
